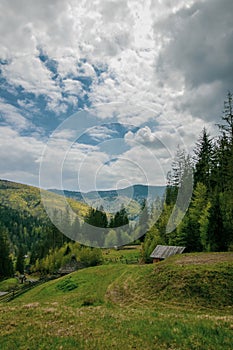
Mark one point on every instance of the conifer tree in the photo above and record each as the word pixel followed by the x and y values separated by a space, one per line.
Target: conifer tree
pixel 6 265
pixel 143 220
pixel 203 160
pixel 20 261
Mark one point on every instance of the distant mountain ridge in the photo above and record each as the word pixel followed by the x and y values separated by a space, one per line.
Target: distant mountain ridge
pixel 27 198
pixel 135 192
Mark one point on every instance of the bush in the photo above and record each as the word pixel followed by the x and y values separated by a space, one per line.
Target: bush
pixel 90 256
pixel 67 285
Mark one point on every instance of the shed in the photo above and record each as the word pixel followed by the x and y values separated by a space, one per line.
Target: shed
pixel 162 252
pixel 71 266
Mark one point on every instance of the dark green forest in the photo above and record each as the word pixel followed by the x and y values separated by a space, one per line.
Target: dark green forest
pixel 207 224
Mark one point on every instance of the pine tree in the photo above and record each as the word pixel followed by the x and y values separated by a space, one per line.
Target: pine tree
pixel 178 165
pixel 224 166
pixel 203 160
pixel 224 161
pixel 183 183
pixel 76 230
pixel 20 261
pixel 143 220
pixel 95 218
pixel 227 126
pixel 192 232
pixel 218 235
pixel 6 265
pixel 120 218
pixel 171 190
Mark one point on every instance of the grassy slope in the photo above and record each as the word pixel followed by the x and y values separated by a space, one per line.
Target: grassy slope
pixel 183 303
pixel 8 284
pixel 125 255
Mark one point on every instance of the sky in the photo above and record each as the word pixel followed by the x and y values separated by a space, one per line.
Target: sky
pixel 99 94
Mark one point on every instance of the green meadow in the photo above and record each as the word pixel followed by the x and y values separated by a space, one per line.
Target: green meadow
pixel 185 302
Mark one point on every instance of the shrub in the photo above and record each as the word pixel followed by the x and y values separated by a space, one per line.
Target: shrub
pixel 67 285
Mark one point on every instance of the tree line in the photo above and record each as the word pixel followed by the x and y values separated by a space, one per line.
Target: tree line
pixel 36 237
pixel 208 222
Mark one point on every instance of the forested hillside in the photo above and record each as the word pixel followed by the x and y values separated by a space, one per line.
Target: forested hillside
pixel 27 231
pixel 25 228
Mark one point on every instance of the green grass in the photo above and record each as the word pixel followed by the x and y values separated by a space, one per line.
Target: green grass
pixel 8 284
pixel 206 279
pixel 127 307
pixel 127 254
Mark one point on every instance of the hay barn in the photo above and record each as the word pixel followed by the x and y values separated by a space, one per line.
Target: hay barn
pixel 162 252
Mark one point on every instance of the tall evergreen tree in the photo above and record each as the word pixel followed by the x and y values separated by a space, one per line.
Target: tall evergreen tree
pixel 218 236
pixel 224 151
pixel 171 190
pixel 6 265
pixel 119 219
pixel 143 220
pixel 76 230
pixel 225 171
pixel 95 218
pixel 20 261
pixel 226 126
pixel 203 158
pixel 178 166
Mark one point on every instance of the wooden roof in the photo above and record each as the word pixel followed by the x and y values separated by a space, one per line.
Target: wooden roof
pixel 71 266
pixel 164 251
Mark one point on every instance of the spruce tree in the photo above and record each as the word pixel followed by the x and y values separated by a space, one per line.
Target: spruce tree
pixel 120 218
pixel 20 261
pixel 203 158
pixel 143 220
pixel 6 265
pixel 225 172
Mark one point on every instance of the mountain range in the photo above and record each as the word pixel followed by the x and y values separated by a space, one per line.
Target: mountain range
pixel 111 200
pixel 28 198
pixel 135 192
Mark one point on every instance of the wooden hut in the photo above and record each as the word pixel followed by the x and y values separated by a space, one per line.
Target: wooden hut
pixel 162 252
pixel 71 266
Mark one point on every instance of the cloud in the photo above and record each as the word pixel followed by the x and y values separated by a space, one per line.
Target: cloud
pixel 162 66
pixel 199 49
pixel 19 156
pixel 137 165
pixel 101 133
pixel 165 139
pixel 79 38
pixel 12 116
pixel 151 52
pixel 25 26
pixel 67 163
pixel 201 45
pixel 29 73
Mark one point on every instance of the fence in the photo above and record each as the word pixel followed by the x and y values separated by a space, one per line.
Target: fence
pixel 28 286
pixel 121 260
